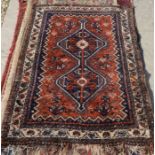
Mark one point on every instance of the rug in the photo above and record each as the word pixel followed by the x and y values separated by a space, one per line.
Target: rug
pixel 75 83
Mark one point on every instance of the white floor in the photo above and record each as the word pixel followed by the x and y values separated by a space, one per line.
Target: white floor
pixel 145 24
pixel 7 31
pixel 144 17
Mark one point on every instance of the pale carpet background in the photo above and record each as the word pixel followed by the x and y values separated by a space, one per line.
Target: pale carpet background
pixel 144 16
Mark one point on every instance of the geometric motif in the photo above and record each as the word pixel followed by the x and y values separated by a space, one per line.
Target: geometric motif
pixel 84 88
pixel 79 79
pixel 81 82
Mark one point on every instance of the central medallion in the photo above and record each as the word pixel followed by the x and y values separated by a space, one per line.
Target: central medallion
pixel 81 83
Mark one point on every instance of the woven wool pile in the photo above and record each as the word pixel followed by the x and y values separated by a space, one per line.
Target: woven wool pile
pixel 75 81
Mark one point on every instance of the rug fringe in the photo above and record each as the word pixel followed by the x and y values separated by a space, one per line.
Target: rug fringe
pixel 78 149
pixel 84 2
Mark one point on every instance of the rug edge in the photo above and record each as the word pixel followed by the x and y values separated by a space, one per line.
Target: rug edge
pixel 10 68
pixel 21 11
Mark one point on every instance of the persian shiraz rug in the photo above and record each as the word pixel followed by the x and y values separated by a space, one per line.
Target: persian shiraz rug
pixel 75 81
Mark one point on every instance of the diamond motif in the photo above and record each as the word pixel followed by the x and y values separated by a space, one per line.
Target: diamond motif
pixel 82 82
pixel 71 44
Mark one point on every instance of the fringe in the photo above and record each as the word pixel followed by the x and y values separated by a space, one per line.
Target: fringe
pixel 22 8
pixel 75 2
pixel 78 149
